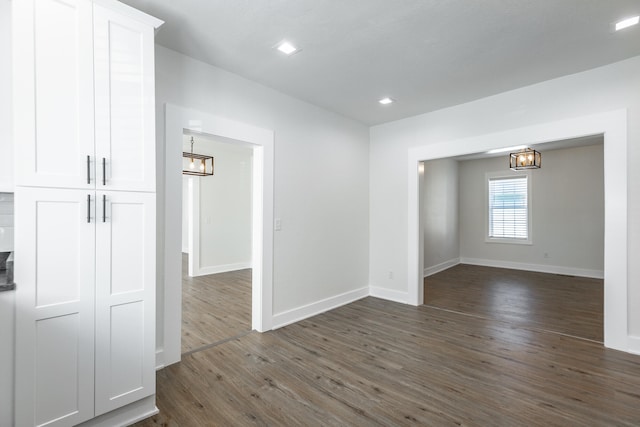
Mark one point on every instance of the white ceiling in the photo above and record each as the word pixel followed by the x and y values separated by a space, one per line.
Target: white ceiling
pixel 426 54
pixel 543 148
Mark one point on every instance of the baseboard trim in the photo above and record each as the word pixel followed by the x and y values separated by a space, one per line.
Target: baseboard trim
pixel 159 359
pixel 553 269
pixel 315 308
pixel 215 269
pixel 428 271
pixel 127 415
pixel 389 294
pixel 633 345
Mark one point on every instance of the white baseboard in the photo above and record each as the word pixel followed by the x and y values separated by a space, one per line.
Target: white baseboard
pixel 428 271
pixel 634 345
pixel 553 269
pixel 215 269
pixel 309 310
pixel 159 359
pixel 389 294
pixel 127 415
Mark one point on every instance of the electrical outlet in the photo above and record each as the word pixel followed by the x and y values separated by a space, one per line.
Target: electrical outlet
pixel 390 274
pixel 278 224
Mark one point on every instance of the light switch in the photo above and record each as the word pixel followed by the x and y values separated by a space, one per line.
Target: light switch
pixel 278 224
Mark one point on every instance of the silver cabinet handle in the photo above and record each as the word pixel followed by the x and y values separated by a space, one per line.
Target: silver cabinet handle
pixel 104 171
pixel 88 169
pixel 104 208
pixel 88 208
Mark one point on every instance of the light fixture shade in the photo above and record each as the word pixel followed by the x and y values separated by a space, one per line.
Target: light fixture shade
pixel 197 164
pixel 525 159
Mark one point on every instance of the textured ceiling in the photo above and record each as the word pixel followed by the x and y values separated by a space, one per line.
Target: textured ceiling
pixel 426 54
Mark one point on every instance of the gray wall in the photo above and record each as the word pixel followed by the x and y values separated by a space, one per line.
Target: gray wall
pixel 225 205
pixel 567 211
pixel 604 89
pixel 440 213
pixel 321 179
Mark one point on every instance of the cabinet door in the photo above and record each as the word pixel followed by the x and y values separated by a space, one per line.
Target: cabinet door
pixel 55 276
pixel 125 106
pixel 125 298
pixel 53 93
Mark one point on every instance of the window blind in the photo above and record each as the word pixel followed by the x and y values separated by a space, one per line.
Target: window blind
pixel 508 210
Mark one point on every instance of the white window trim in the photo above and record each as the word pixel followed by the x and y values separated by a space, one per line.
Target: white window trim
pixel 510 174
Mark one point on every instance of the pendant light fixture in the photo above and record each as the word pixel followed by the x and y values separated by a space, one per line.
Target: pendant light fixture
pixel 525 159
pixel 196 164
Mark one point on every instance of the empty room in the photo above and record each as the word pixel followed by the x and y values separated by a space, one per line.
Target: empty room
pixel 522 244
pixel 303 212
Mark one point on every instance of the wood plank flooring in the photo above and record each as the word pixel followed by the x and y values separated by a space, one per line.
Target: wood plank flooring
pixel 564 304
pixel 379 363
pixel 214 307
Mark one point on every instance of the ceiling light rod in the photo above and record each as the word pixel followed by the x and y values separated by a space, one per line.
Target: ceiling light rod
pixel 525 159
pixel 204 163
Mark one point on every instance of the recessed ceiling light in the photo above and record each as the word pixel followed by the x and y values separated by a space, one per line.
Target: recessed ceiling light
pixel 620 25
pixel 287 48
pixel 386 101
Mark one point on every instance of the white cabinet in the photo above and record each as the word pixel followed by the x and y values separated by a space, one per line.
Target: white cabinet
pixel 85 211
pixel 55 264
pixel 124 102
pixel 125 298
pixel 85 114
pixel 87 303
pixel 53 93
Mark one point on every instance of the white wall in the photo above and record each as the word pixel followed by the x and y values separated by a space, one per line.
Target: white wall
pixel 185 213
pixel 567 213
pixel 321 178
pixel 7 299
pixel 608 88
pixel 6 146
pixel 225 206
pixel 440 214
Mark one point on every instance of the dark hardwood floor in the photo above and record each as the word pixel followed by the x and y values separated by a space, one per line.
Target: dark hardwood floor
pixel 563 304
pixel 214 307
pixel 379 363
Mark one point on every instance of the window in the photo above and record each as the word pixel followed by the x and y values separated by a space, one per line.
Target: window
pixel 509 207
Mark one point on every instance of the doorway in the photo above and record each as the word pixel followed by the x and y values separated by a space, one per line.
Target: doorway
pixel 216 243
pixel 179 120
pixel 538 261
pixel 613 126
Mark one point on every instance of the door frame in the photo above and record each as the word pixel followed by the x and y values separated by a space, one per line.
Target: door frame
pixel 613 126
pixel 177 121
